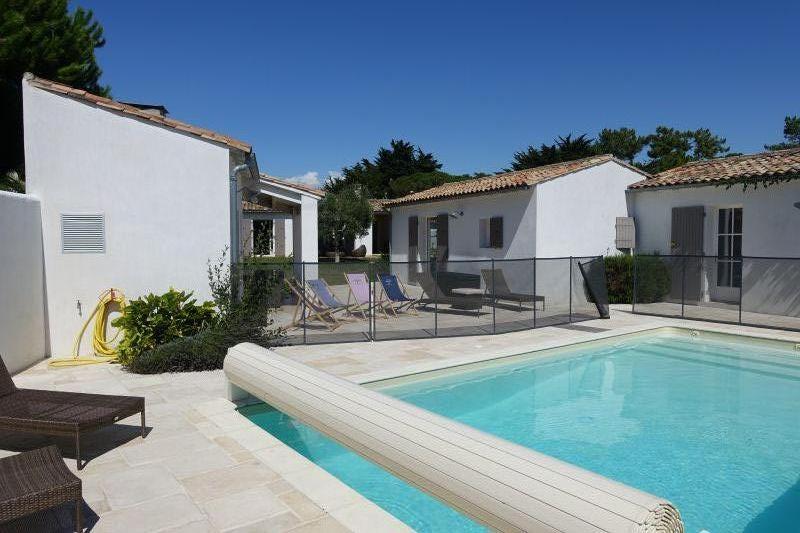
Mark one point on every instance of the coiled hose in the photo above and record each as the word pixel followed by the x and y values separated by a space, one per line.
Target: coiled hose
pixel 105 350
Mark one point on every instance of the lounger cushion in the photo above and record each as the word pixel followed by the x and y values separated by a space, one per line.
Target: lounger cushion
pixel 32 409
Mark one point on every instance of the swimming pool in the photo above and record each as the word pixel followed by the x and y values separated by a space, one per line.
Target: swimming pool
pixel 712 424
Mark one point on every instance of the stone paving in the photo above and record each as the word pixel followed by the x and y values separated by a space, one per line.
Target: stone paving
pixel 203 467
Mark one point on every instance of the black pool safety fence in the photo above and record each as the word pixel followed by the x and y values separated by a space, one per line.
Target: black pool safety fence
pixel 753 291
pixel 351 301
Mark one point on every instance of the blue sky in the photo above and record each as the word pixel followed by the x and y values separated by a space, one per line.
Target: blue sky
pixel 315 86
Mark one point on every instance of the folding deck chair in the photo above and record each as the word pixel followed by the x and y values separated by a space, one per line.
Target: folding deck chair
pixel 310 308
pixel 360 295
pixel 324 294
pixel 397 294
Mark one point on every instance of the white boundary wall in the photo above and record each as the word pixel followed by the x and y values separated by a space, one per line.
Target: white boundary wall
pixel 22 290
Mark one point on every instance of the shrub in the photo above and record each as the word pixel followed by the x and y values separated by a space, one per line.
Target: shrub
pixel 153 320
pixel 244 298
pixel 653 278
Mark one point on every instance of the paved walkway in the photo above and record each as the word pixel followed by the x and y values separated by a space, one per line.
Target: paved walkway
pixel 203 467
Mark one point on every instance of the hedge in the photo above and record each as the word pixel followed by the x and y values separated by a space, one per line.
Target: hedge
pixel 653 283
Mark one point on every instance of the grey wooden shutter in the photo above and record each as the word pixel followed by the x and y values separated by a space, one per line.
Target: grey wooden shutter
pixel 496 232
pixel 443 236
pixel 687 230
pixel 413 231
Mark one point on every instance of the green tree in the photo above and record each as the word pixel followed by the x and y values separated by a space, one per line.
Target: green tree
pixel 669 148
pixel 400 159
pixel 623 143
pixel 343 216
pixel 563 149
pixel 791 134
pixel 43 37
pixel 425 180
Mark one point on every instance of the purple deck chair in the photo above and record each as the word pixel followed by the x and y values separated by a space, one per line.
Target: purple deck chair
pixel 360 294
pixel 397 295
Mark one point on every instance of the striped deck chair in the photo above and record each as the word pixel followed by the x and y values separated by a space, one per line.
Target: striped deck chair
pixel 325 296
pixel 360 295
pixel 397 295
pixel 314 310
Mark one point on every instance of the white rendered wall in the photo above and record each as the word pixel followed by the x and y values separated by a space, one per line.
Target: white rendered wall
pixel 770 220
pixel 576 214
pixel 770 224
pixel 22 296
pixel 366 240
pixel 516 207
pixel 164 196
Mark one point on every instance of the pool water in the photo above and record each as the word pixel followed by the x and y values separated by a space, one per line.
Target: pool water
pixel 712 425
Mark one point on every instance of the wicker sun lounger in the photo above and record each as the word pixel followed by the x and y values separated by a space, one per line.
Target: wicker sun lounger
pixel 58 413
pixel 35 481
pixel 495 278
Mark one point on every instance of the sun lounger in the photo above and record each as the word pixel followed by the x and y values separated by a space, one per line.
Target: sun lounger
pixel 397 295
pixel 36 481
pixel 59 413
pixel 361 297
pixel 309 308
pixel 437 295
pixel 502 291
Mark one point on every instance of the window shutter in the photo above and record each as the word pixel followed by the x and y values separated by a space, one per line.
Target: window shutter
pixel 443 236
pixel 413 231
pixel 83 234
pixel 496 232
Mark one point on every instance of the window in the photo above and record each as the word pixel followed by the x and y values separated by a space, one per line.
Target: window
pixel 83 234
pixel 431 237
pixel 729 247
pixel 263 235
pixel 490 232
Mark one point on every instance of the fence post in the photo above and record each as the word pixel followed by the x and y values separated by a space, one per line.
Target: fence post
pixel 303 300
pixel 494 303
pixel 570 289
pixel 432 264
pixel 741 285
pixel 371 287
pixel 635 274
pixel 534 293
pixel 683 285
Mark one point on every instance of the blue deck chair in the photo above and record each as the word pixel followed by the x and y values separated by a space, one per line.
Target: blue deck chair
pixel 396 294
pixel 326 297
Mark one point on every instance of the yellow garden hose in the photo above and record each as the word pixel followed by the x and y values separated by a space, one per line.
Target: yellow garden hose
pixel 105 350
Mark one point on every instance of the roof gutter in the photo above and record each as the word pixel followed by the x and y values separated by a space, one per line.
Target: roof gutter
pixel 233 192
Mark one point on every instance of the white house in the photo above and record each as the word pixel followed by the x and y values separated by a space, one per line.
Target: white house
pixel 702 208
pixel 564 209
pixel 138 201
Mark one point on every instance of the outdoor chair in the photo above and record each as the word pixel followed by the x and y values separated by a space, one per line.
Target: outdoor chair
pixel 60 413
pixel 495 278
pixel 35 481
pixel 397 295
pixel 325 296
pixel 360 295
pixel 309 308
pixel 437 295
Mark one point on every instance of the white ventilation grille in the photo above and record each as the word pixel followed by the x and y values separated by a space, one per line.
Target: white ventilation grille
pixel 83 234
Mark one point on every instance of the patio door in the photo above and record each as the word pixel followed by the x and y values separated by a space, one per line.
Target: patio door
pixel 687 240
pixel 729 254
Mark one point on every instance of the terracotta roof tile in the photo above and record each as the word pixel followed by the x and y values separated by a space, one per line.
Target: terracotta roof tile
pixel 132 111
pixel 727 169
pixel 507 180
pixel 253 207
